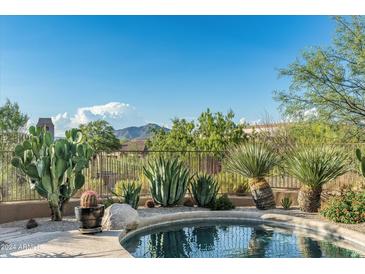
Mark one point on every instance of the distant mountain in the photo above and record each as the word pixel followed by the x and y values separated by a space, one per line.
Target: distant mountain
pixel 137 133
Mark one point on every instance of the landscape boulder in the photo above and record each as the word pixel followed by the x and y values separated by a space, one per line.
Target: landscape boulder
pixel 120 216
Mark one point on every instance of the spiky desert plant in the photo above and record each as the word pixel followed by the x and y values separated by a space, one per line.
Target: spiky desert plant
pixel 254 161
pixel 315 166
pixel 129 191
pixel 204 189
pixel 286 202
pixel 168 180
pixel 89 199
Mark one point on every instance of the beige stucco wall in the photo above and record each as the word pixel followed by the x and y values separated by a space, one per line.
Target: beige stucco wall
pixel 14 211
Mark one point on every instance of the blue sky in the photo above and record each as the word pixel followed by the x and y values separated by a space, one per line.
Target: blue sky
pixel 132 70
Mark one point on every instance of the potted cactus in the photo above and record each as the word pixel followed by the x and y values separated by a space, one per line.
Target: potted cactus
pixel 89 213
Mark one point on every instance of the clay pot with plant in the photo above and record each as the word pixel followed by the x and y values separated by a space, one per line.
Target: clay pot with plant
pixel 89 213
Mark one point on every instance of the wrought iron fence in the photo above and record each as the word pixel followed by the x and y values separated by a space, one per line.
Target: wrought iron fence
pixel 106 170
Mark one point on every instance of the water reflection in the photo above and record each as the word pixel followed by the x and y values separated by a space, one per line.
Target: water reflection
pixel 230 240
pixel 204 237
pixel 309 248
pixel 171 244
pixel 259 242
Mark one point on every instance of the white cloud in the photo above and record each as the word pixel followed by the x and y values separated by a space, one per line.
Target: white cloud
pixel 118 114
pixel 242 121
pixel 310 113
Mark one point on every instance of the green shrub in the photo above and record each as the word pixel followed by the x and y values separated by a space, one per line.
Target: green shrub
pixel 168 179
pixel 348 208
pixel 286 202
pixel 204 189
pixel 108 202
pixel 222 203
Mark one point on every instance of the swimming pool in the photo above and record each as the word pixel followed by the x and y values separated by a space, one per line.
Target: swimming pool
pixel 233 239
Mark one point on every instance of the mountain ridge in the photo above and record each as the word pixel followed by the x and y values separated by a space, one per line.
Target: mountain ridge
pixel 138 133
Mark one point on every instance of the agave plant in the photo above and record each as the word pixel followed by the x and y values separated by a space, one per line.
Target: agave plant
pixel 286 202
pixel 314 166
pixel 204 189
pixel 254 161
pixel 168 180
pixel 130 192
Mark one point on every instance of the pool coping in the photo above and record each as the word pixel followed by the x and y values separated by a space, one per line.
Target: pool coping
pixel 107 244
pixel 322 228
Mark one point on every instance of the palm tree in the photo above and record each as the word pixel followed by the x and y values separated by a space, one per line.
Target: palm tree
pixel 254 161
pixel 314 166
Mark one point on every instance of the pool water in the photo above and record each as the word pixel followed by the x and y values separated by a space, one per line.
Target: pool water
pixel 231 240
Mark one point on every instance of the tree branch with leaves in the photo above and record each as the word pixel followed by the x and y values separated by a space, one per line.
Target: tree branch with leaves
pixel 330 80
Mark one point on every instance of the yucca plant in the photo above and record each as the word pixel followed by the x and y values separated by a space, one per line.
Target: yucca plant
pixel 314 166
pixel 168 180
pixel 254 161
pixel 204 189
pixel 130 192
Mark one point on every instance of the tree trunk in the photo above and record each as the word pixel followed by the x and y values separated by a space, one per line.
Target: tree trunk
pixel 259 241
pixel 309 248
pixel 262 194
pixel 56 213
pixel 309 199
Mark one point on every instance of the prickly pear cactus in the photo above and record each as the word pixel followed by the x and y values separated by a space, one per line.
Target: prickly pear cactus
pixel 361 159
pixel 54 168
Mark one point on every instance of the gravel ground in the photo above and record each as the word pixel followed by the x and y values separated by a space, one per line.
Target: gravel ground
pixel 70 223
pixel 149 212
pixel 44 225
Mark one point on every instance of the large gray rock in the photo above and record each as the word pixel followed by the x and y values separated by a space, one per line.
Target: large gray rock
pixel 120 216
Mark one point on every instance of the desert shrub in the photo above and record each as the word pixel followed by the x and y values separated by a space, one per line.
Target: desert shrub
pixel 108 202
pixel 222 203
pixel 348 208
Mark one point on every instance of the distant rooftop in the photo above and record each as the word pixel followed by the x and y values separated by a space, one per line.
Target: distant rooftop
pixel 264 127
pixel 47 123
pixel 45 120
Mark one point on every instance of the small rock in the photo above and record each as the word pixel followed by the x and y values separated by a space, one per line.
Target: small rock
pixel 120 216
pixel 189 202
pixel 31 224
